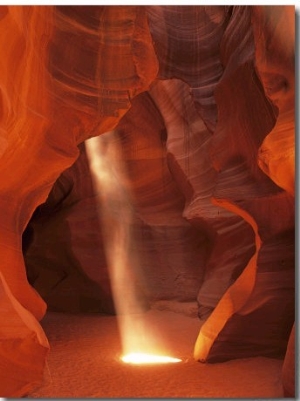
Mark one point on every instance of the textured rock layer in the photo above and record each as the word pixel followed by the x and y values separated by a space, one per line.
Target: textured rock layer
pixel 57 91
pixel 199 102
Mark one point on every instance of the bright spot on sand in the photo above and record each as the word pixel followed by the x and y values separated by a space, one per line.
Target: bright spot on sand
pixel 139 358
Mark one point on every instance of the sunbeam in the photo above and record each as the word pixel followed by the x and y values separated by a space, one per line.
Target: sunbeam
pixel 140 343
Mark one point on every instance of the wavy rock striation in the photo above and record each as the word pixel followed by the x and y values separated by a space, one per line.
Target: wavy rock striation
pixel 199 101
pixel 241 187
pixel 55 97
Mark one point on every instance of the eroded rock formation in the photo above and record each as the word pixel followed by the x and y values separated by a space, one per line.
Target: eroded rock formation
pixel 200 101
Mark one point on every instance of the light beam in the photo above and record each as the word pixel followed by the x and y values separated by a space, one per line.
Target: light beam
pixel 139 341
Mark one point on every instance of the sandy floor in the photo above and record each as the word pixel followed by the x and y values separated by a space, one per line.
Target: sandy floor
pixel 84 363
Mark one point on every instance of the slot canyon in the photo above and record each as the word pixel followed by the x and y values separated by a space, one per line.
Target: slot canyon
pixel 147 159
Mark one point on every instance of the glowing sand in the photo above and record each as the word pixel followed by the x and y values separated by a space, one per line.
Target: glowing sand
pixel 138 358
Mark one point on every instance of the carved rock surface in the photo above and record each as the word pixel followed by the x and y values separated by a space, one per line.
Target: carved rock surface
pixel 66 228
pixel 242 188
pixel 199 101
pixel 54 96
